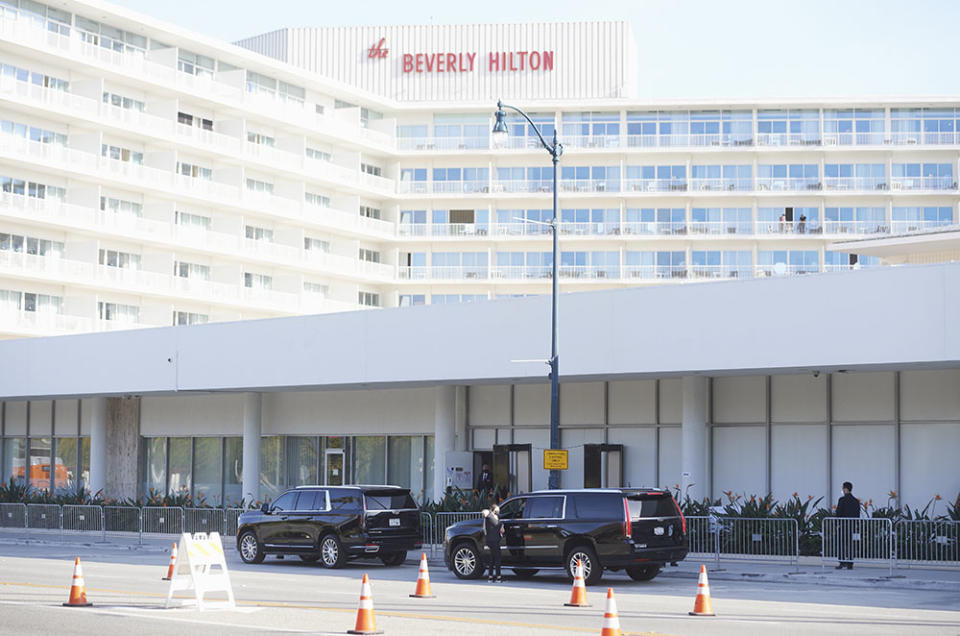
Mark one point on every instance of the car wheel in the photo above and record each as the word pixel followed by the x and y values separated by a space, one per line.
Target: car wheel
pixel 250 549
pixel 525 573
pixel 393 559
pixel 309 558
pixel 331 552
pixel 592 570
pixel 643 572
pixel 465 562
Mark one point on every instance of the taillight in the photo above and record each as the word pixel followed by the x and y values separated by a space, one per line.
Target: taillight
pixel 626 519
pixel 683 520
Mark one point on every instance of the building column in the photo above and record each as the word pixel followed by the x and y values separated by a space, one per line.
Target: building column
pixel 694 438
pixel 98 444
pixel 444 434
pixel 251 447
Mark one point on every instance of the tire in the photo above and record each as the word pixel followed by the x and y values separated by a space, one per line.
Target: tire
pixel 592 570
pixel 525 573
pixel 331 552
pixel 309 558
pixel 643 572
pixel 251 550
pixel 465 561
pixel 393 559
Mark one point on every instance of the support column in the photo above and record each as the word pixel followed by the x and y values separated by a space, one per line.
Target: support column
pixel 694 438
pixel 98 444
pixel 444 435
pixel 251 447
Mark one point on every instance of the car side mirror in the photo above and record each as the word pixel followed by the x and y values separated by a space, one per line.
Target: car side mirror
pixel 265 508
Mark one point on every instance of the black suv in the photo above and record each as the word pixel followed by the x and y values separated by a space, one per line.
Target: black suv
pixel 333 524
pixel 639 530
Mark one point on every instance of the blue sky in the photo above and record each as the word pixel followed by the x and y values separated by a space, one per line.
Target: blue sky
pixel 689 49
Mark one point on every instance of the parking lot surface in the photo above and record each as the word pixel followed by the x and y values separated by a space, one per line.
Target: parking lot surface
pixel 288 596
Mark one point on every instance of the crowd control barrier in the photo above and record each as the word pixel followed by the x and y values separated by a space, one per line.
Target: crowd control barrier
pixel 858 540
pixel 927 542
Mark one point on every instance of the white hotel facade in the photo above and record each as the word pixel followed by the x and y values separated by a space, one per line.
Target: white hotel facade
pixel 155 177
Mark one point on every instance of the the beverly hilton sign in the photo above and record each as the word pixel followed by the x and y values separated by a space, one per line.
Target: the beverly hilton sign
pixel 466 62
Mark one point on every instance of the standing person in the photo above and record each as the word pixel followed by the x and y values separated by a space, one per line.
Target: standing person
pixel 802 225
pixel 783 223
pixel 492 532
pixel 848 507
pixel 485 481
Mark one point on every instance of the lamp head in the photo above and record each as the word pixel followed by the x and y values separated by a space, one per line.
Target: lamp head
pixel 500 132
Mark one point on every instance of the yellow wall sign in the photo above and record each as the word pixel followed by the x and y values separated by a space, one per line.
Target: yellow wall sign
pixel 554 460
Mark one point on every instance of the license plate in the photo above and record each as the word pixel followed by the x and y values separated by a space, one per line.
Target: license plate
pixel 658 531
pixel 394 522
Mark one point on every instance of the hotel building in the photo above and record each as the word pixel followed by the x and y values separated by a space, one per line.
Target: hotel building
pixel 152 176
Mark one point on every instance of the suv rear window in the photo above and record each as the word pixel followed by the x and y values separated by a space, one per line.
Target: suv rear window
pixel 598 505
pixel 642 506
pixel 312 500
pixel 392 500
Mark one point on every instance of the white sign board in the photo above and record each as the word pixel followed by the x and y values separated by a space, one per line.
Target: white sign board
pixel 201 567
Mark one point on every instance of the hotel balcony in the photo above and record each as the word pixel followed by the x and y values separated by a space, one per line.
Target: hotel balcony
pixel 923 183
pixel 788 184
pixel 721 185
pixel 858 184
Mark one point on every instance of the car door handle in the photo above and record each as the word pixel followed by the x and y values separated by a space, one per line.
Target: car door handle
pixel 550 525
pixel 283 518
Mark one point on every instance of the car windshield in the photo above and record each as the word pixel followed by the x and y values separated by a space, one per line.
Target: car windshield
pixel 392 500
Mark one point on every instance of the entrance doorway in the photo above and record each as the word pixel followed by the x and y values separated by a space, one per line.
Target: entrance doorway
pixel 512 468
pixel 602 465
pixel 333 462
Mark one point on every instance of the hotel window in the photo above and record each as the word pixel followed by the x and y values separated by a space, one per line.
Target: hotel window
pixel 28 301
pixel 924 125
pixel 368 299
pixel 788 219
pixel 523 135
pixel 261 84
pixel 854 126
pixel 316 289
pixel 783 127
pixel 291 93
pixel 370 256
pixel 187 119
pixel 912 219
pixel 263 187
pixel 590 178
pixel 589 221
pixel 317 200
pixel 413 222
pixel 37 79
pixel 260 139
pixel 413 138
pixel 33 133
pixel 369 212
pixel 121 206
pixel 591 128
pixel 460 131
pixel 189 318
pixel 318 155
pixel 121 154
pixel 121 101
pixel 256 233
pixel 40 15
pixel 455 299
pixel 257 281
pixel 196 271
pixel 315 245
pixel 31 189
pixel 720 221
pixel 922 176
pixel 367 115
pixel 369 168
pixel 412 300
pixel 721 264
pixel 788 177
pixel 413 180
pixel 110 38
pixel 29 245
pixel 459 264
pixel 721 177
pixel 195 64
pixel 855 176
pixel 656 178
pixel 194 171
pixel 193 221
pixel 671 265
pixel 118 312
pixel 655 221
pixel 590 264
pixel 514 222
pixel 834 261
pixel 795 261
pixel 120 260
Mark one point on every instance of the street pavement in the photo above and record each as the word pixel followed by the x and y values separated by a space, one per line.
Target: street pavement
pixel 123 580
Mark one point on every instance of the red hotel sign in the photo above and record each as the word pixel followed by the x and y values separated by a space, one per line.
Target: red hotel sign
pixel 466 62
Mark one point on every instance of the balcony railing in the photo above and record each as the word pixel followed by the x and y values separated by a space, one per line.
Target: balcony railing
pixel 590 185
pixel 923 183
pixel 458 229
pixel 917 225
pixel 521 229
pixel 591 141
pixel 793 184
pixel 855 183
pixel 519 185
pixel 855 227
pixel 655 185
pixel 788 139
pixel 789 227
pixel 588 228
pixel 929 138
pixel 854 139
pixel 655 227
pixel 721 227
pixel 721 185
pixel 460 187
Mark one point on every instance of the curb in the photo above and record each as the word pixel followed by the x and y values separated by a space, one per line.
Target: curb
pixel 895 582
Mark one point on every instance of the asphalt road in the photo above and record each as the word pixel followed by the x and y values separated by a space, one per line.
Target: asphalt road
pixel 292 597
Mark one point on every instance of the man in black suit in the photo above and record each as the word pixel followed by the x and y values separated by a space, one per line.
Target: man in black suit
pixel 485 481
pixel 848 507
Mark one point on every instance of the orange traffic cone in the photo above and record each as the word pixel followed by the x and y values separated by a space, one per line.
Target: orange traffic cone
pixel 611 623
pixel 578 597
pixel 78 594
pixel 702 606
pixel 423 580
pixel 173 562
pixel 366 624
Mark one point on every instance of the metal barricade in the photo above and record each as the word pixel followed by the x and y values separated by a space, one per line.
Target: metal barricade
pixel 163 520
pixel 77 518
pixel 13 515
pixel 758 539
pixel 231 518
pixel 928 542
pixel 426 532
pixel 444 520
pixel 702 537
pixel 203 520
pixel 122 521
pixel 43 517
pixel 858 540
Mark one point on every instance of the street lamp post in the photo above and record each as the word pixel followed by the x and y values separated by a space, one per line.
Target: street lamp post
pixel 555 149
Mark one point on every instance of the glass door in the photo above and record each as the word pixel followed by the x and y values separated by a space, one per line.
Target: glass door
pixel 334 466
